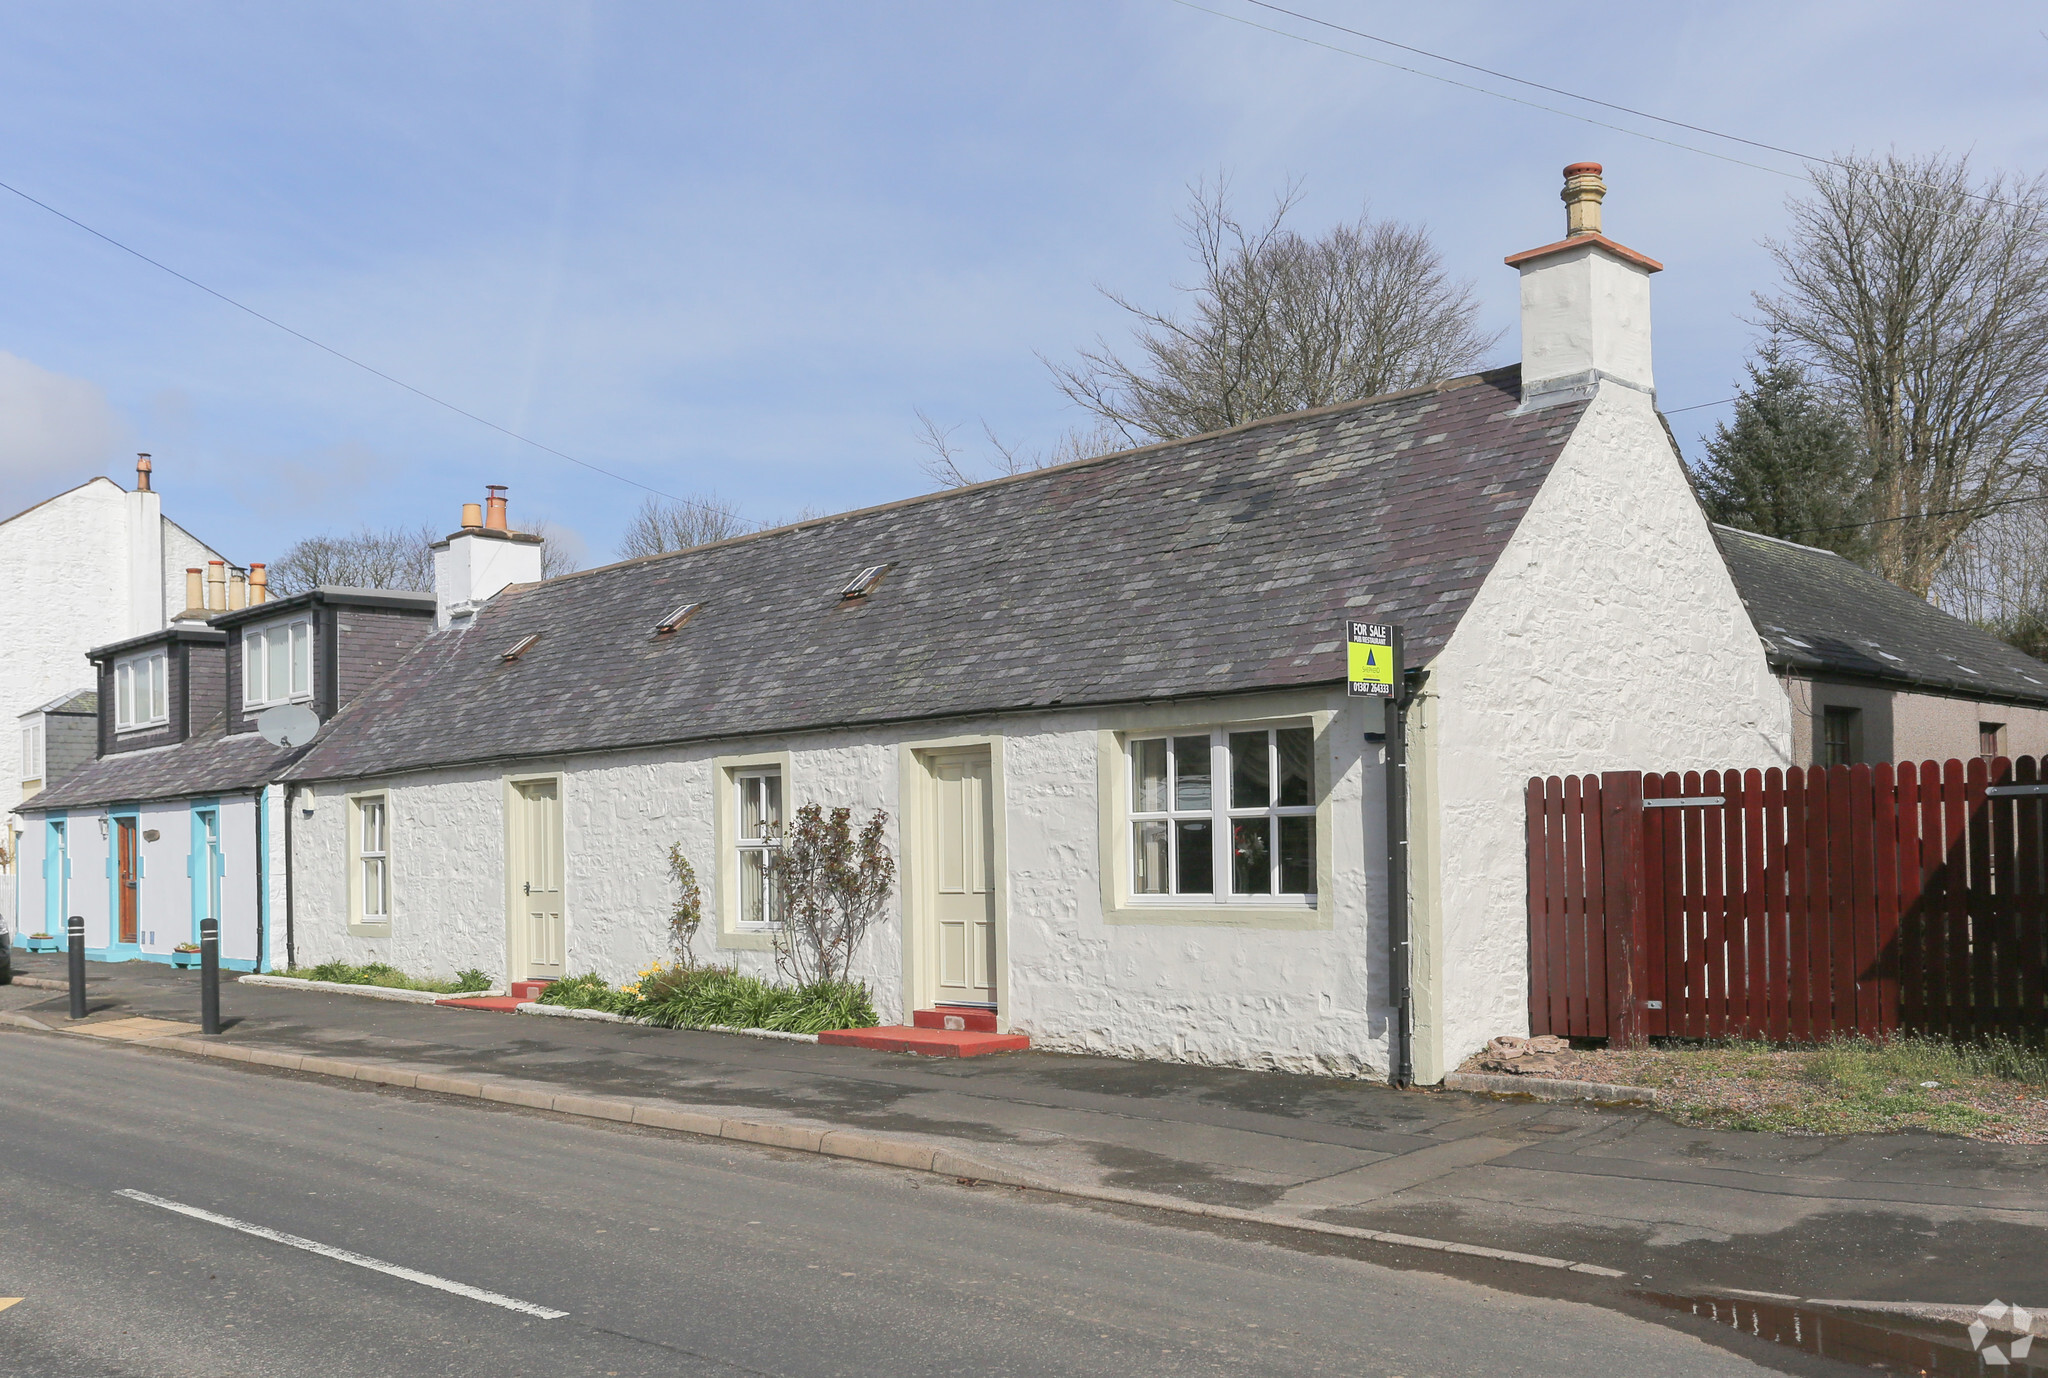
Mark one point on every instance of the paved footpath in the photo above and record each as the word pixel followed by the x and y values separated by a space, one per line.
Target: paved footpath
pixel 1907 1218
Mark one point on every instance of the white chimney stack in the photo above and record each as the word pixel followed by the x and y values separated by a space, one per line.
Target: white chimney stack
pixel 1585 303
pixel 476 562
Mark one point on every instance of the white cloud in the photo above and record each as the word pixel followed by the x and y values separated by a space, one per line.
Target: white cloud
pixel 55 432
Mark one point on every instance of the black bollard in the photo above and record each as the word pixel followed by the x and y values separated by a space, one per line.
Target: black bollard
pixel 209 976
pixel 75 930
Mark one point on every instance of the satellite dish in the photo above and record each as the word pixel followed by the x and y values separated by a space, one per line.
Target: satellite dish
pixel 288 724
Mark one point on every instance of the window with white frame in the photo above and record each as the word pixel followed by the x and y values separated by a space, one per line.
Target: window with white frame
pixel 1223 814
pixel 32 752
pixel 371 837
pixel 277 663
pixel 757 792
pixel 141 692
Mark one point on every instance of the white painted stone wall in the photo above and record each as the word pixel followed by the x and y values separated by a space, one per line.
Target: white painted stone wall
pixel 1214 993
pixel 1609 636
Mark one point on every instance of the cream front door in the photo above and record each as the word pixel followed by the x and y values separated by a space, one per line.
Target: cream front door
pixel 537 899
pixel 963 879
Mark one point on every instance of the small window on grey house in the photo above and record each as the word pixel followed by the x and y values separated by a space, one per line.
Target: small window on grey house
pixel 1991 739
pixel 1841 736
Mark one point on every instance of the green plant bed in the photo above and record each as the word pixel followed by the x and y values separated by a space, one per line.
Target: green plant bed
pixel 702 997
pixel 390 977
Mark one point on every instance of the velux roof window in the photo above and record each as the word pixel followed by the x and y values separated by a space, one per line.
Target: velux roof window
pixel 520 647
pixel 676 618
pixel 864 582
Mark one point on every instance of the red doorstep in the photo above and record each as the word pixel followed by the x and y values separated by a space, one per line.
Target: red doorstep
pixel 507 1004
pixel 982 1021
pixel 529 990
pixel 907 1038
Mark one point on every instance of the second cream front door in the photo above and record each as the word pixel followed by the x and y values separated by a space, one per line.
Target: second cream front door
pixel 963 878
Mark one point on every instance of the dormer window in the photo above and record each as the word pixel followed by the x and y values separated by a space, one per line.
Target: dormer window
pixel 277 663
pixel 141 692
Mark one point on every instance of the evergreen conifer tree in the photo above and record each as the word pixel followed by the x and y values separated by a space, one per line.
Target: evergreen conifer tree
pixel 1789 466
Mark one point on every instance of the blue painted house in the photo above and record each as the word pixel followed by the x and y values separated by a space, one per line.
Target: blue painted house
pixel 179 817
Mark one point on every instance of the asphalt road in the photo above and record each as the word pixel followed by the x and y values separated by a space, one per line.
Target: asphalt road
pixel 669 1255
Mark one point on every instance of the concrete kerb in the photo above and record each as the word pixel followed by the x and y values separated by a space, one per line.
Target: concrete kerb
pixel 1548 1088
pixel 837 1143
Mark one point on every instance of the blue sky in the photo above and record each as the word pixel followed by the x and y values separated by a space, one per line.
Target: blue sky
pixel 731 249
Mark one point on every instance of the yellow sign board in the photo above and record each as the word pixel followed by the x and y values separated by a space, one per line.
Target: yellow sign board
pixel 1371 667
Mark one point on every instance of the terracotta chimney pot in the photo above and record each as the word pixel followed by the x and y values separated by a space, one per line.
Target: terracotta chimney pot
pixel 472 515
pixel 1582 194
pixel 238 593
pixel 259 584
pixel 142 472
pixel 195 588
pixel 216 585
pixel 494 507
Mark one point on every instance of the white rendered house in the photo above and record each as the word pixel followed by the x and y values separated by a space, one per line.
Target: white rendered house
pixel 94 564
pixel 1102 706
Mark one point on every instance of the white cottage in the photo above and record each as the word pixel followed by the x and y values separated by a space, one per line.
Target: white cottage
pixel 176 817
pixel 1102 706
pixel 93 564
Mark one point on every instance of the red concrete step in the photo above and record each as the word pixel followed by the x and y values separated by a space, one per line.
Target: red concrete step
pixel 981 1021
pixel 529 990
pixel 908 1038
pixel 507 1004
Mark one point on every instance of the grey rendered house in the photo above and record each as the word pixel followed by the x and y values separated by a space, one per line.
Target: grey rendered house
pixel 1873 673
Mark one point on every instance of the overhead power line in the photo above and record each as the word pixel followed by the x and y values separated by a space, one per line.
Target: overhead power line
pixel 346 358
pixel 1925 516
pixel 1559 91
pixel 1673 411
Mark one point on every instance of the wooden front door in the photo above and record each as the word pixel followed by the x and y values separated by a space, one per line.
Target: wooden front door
pixel 127 875
pixel 963 879
pixel 537 939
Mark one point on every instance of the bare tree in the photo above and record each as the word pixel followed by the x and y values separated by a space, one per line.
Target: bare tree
pixel 1920 299
pixel 393 557
pixel 557 557
pixel 1280 323
pixel 1996 575
pixel 950 466
pixel 662 525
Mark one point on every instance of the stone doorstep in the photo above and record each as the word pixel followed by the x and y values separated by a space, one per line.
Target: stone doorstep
pixel 828 1141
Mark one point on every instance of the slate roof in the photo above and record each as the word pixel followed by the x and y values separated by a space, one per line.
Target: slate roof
pixel 1221 564
pixel 196 768
pixel 1821 614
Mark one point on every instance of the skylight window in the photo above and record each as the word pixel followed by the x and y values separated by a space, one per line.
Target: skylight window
pixel 521 646
pixel 864 582
pixel 676 618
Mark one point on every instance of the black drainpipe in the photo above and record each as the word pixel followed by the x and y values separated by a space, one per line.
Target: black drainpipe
pixel 1398 959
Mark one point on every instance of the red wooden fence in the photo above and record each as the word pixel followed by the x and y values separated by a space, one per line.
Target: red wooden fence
pixel 1790 904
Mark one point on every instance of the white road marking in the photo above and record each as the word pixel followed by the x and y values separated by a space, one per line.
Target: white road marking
pixel 375 1265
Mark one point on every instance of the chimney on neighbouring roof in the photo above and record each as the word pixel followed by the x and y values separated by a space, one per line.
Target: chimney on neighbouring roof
pixel 1585 303
pixel 486 555
pixel 237 591
pixel 142 472
pixel 195 590
pixel 259 584
pixel 217 585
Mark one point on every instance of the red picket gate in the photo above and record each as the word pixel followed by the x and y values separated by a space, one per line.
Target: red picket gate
pixel 1790 904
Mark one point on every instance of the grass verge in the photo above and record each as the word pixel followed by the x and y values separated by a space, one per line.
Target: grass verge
pixel 1995 1090
pixel 380 974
